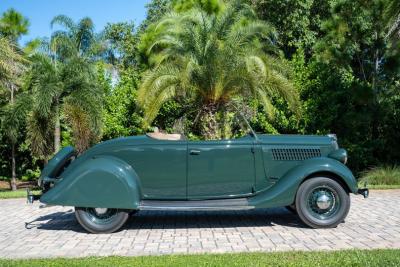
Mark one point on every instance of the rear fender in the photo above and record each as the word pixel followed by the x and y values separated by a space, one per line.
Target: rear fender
pixel 283 192
pixel 100 182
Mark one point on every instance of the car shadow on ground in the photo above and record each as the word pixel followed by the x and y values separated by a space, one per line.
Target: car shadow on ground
pixel 179 220
pixel 56 221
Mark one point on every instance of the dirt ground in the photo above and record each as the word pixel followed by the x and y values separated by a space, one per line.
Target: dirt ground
pixel 5 185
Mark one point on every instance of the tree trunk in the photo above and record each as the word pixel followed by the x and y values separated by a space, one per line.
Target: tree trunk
pixel 12 94
pixel 57 131
pixel 376 120
pixel 208 122
pixel 375 110
pixel 13 169
pixel 13 181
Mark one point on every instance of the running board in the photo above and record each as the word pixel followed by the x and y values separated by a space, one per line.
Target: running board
pixel 190 205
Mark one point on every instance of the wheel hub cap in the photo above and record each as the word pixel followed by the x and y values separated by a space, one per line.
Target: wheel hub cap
pixel 323 202
pixel 101 211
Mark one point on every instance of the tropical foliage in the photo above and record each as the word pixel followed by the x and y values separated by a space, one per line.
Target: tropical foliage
pixel 212 59
pixel 293 66
pixel 385 175
pixel 63 81
pixel 13 25
pixel 11 67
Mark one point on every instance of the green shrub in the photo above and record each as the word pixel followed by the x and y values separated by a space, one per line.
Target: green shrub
pixel 384 175
pixel 31 175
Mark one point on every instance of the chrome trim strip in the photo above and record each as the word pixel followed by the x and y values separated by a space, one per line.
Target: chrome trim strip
pixel 177 208
pixel 190 205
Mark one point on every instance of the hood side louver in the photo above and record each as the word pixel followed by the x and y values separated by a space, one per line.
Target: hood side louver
pixel 295 153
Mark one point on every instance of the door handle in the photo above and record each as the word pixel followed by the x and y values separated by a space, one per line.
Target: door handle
pixel 194 152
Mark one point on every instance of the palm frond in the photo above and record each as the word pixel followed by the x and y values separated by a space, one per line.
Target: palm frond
pixel 44 84
pixel 214 58
pixel 85 37
pixel 80 124
pixel 158 86
pixel 13 117
pixel 61 45
pixel 63 21
pixel 12 63
pixel 40 135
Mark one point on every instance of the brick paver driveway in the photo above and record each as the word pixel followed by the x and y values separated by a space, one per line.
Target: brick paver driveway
pixel 27 231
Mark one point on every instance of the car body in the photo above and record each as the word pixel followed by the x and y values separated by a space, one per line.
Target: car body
pixel 168 172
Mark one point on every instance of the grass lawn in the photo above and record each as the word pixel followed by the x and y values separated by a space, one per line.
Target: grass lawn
pixel 20 193
pixel 13 194
pixel 342 258
pixel 382 186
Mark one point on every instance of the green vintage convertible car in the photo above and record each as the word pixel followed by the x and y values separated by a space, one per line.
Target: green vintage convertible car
pixel 113 179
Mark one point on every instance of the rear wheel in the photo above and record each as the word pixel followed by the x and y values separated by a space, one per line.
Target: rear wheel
pixel 322 202
pixel 101 220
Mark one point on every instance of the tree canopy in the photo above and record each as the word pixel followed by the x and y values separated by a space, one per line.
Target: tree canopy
pixel 212 58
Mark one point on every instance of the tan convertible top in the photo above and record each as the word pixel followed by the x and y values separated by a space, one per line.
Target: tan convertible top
pixel 165 136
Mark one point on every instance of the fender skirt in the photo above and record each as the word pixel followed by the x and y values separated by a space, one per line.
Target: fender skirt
pixel 283 192
pixel 100 182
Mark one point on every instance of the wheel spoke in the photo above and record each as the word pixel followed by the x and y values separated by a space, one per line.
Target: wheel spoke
pixel 323 202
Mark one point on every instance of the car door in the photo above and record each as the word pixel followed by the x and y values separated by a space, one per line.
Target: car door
pixel 161 167
pixel 221 168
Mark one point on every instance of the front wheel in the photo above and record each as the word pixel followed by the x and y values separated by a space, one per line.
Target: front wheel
pixel 101 220
pixel 322 202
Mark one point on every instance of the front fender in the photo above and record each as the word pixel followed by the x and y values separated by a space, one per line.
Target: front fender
pixel 101 182
pixel 283 192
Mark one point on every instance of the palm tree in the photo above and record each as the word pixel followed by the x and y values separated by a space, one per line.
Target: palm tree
pixel 13 119
pixel 60 88
pixel 76 38
pixel 13 25
pixel 213 59
pixel 11 67
pixel 47 87
pixel 62 75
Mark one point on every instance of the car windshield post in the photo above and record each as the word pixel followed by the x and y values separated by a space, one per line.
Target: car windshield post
pixel 252 132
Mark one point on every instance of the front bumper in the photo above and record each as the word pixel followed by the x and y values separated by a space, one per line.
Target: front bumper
pixel 364 192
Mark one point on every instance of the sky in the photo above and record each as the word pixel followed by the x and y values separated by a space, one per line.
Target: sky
pixel 41 12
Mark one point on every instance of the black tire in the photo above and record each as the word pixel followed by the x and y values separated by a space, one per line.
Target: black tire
pixel 321 202
pixel 107 221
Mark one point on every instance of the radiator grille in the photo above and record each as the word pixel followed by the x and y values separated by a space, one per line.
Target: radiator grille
pixel 295 153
